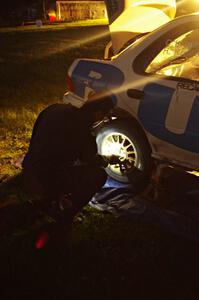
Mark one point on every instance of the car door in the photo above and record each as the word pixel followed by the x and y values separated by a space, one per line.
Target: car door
pixel 169 108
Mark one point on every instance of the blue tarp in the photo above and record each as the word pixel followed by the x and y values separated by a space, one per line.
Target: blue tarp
pixel 181 217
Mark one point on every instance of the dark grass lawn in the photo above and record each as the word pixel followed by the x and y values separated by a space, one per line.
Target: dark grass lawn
pixel 104 257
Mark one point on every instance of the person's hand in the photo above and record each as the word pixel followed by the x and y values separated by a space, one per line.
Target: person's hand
pixel 125 166
pixel 105 160
pixel 113 159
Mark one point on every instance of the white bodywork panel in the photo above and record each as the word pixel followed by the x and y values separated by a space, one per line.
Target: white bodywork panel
pixel 138 16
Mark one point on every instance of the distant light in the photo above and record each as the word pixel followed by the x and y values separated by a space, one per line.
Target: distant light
pixel 52 16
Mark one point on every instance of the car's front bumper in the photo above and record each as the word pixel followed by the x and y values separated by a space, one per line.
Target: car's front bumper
pixel 71 98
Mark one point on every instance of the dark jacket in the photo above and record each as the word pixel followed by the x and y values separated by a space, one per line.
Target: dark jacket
pixel 60 136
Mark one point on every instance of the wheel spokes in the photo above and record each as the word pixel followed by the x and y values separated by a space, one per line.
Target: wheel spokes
pixel 119 144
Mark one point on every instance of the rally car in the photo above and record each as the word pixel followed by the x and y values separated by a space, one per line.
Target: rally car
pixel 154 85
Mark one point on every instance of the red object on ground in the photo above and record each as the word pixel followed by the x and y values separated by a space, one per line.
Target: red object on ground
pixel 41 240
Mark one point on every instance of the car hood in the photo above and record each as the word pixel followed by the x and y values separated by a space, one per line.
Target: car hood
pixel 127 18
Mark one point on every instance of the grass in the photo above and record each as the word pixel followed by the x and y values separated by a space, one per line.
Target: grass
pixel 55 26
pixel 104 257
pixel 33 68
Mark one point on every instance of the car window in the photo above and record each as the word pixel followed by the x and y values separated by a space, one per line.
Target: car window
pixel 179 58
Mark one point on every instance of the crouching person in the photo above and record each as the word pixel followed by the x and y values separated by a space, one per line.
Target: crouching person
pixel 61 167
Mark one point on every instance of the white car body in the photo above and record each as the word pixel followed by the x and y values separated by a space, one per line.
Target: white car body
pixel 167 104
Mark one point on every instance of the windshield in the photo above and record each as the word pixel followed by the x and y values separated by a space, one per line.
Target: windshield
pixel 183 49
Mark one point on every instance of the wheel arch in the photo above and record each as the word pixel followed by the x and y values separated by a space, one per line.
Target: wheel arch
pixel 128 126
pixel 121 114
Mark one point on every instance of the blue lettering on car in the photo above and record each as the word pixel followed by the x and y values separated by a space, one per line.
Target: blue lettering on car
pixel 110 78
pixel 152 114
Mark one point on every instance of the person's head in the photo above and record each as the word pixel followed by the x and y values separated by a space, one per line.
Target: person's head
pixel 97 109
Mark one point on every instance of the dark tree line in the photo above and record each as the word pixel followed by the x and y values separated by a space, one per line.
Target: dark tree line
pixel 15 10
pixel 10 5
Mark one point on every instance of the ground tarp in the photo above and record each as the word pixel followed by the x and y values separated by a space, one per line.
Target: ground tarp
pixel 180 217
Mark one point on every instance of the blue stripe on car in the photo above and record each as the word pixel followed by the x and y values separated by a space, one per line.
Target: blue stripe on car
pixel 152 114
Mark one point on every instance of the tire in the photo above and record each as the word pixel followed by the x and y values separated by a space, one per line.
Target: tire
pixel 131 145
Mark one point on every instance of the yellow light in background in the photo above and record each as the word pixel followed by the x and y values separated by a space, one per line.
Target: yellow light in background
pixel 52 16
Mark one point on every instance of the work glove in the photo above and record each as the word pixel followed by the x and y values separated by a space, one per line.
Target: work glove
pixel 113 159
pixel 124 166
pixel 104 160
pixel 116 160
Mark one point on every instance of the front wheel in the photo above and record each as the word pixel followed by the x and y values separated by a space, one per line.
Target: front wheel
pixel 126 140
